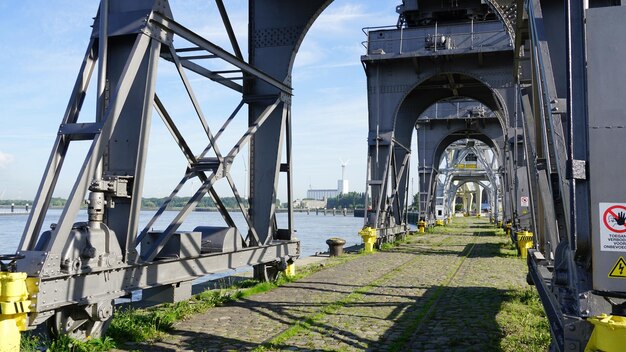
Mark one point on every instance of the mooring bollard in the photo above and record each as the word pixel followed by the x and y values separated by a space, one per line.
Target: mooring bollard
pixel 421 226
pixel 368 235
pixel 524 242
pixel 15 308
pixel 609 333
pixel 335 246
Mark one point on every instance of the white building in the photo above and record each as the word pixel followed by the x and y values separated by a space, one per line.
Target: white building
pixel 321 194
pixel 342 188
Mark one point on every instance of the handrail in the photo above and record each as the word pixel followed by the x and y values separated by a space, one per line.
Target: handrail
pixel 452 36
pixel 544 89
pixel 366 30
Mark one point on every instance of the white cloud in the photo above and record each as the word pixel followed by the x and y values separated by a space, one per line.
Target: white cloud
pixel 5 159
pixel 339 18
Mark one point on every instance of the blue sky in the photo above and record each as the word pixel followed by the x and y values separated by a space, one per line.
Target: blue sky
pixel 41 48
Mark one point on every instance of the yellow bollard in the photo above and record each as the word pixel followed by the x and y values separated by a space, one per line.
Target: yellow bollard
pixel 369 238
pixel 524 242
pixel 507 228
pixel 14 306
pixel 609 333
pixel 421 226
pixel 439 222
pixel 291 270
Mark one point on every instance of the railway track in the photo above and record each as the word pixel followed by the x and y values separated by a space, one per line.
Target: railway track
pixel 439 291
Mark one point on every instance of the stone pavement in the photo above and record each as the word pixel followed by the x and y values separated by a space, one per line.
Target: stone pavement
pixel 435 292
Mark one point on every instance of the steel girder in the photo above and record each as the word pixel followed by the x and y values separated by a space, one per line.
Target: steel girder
pixel 82 267
pixel 561 119
pixel 484 171
pixel 404 79
pixel 566 90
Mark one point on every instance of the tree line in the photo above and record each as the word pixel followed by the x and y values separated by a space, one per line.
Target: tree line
pixel 351 200
pixel 146 203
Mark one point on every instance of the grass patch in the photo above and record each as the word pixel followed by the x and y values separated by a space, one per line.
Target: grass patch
pixel 507 250
pixel 461 226
pixel 523 321
pixel 152 324
pixel 401 341
pixel 309 323
pixel 138 325
pixel 32 343
pixel 387 246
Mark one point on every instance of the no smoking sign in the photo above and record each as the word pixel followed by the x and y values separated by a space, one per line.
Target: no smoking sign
pixel 613 227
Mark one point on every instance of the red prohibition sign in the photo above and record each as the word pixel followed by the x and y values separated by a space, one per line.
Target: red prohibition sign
pixel 613 213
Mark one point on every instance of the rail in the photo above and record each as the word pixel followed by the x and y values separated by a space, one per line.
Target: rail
pixel 433 38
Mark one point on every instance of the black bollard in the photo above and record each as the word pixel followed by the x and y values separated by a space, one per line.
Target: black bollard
pixel 12 207
pixel 335 246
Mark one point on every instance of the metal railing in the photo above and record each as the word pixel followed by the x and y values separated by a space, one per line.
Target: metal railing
pixel 436 40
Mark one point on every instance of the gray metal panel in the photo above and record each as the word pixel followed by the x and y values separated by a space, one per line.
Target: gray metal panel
pixel 180 245
pixel 462 38
pixel 63 290
pixel 606 73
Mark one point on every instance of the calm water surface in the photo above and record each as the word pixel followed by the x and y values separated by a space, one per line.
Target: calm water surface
pixel 312 230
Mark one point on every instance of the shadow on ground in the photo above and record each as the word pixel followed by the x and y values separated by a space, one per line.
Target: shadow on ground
pixel 453 318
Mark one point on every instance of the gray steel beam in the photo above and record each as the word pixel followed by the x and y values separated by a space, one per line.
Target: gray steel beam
pixel 57 156
pixel 578 120
pixel 95 153
pixel 194 38
pixel 62 290
pixel 229 29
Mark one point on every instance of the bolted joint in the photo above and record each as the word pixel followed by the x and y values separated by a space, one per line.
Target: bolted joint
pixel 100 311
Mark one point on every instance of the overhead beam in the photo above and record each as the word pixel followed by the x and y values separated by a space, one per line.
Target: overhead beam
pixel 183 32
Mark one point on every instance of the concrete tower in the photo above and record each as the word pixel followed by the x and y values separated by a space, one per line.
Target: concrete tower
pixel 343 185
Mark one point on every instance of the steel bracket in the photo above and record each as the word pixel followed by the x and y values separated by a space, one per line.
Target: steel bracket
pixel 558 106
pixel 576 169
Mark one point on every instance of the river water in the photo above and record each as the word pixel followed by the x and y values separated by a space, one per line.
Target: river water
pixel 312 230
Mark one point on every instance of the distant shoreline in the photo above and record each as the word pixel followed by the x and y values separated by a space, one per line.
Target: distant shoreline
pixel 21 211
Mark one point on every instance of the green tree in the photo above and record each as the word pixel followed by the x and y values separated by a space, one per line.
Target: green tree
pixel 350 200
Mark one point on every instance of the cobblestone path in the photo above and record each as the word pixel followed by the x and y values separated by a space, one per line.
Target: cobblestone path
pixel 434 292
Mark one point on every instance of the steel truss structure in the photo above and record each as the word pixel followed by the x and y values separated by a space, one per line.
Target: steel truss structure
pixel 556 127
pixel 422 64
pixel 545 69
pixel 82 267
pixel 464 162
pixel 567 93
